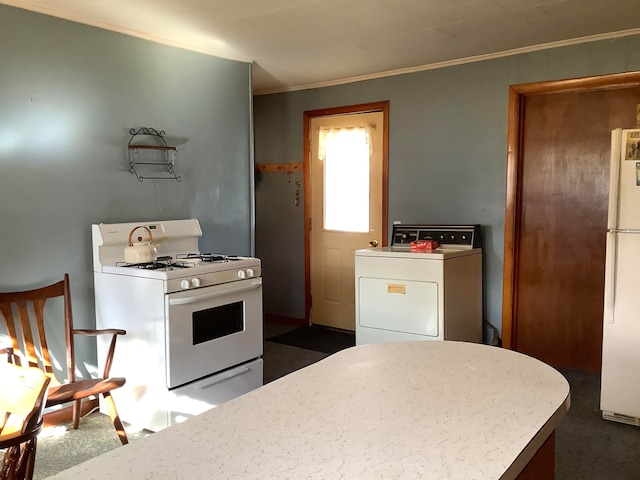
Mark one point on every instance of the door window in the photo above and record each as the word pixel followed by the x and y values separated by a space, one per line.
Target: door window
pixel 345 155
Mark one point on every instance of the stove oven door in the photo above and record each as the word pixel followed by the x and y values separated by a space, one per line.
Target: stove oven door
pixel 212 329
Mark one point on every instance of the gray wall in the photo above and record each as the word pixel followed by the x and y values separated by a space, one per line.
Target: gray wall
pixel 447 153
pixel 68 95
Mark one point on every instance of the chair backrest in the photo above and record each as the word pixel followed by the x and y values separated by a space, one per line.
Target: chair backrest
pixel 22 398
pixel 23 313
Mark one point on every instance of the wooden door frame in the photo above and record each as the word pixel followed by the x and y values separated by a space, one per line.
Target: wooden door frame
pixel 513 206
pixel 308 116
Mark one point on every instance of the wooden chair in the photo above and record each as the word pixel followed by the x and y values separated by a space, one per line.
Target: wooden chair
pixel 22 399
pixel 23 313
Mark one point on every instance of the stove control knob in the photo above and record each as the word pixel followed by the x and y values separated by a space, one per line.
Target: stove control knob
pixel 249 272
pixel 241 274
pixel 185 284
pixel 195 282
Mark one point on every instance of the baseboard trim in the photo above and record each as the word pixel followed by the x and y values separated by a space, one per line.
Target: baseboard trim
pixel 284 320
pixel 65 415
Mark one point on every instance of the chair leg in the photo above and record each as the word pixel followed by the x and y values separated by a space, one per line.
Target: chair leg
pixel 115 418
pixel 31 459
pixel 9 460
pixel 77 409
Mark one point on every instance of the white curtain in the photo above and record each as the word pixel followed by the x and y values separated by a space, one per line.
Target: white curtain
pixel 350 140
pixel 345 153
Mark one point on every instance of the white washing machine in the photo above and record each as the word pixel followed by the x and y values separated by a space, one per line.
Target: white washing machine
pixel 405 293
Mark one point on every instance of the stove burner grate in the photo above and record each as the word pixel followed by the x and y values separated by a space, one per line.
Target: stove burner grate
pixel 161 263
pixel 207 257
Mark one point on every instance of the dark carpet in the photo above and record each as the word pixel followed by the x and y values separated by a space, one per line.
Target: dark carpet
pixel 589 447
pixel 317 338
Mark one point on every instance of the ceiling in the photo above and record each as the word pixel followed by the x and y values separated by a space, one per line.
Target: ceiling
pixel 296 44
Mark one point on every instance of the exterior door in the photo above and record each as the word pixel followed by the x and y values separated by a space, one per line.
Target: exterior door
pixel 346 207
pixel 556 221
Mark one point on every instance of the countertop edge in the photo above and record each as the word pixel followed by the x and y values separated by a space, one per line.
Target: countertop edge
pixel 536 442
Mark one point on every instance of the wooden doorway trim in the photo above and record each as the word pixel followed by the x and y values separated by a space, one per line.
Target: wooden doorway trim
pixel 346 110
pixel 513 207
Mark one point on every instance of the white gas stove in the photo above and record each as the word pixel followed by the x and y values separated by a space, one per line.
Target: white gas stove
pixel 193 270
pixel 179 261
pixel 193 321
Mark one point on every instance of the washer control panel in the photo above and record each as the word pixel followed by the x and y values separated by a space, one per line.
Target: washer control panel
pixel 458 236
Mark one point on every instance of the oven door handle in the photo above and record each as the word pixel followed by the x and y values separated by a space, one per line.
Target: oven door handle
pixel 221 290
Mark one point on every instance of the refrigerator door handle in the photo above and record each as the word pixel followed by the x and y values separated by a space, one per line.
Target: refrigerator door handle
pixel 610 277
pixel 614 178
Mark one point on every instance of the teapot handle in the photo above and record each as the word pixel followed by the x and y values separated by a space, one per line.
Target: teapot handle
pixel 136 228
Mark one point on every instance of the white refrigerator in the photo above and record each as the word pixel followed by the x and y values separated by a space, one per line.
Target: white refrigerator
pixel 620 387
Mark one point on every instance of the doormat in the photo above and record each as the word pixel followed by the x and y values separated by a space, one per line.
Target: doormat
pixel 317 338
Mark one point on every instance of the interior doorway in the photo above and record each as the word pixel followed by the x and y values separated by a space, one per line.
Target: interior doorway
pixel 345 204
pixel 556 215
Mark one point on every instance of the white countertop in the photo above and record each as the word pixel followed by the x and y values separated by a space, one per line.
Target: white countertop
pixel 410 410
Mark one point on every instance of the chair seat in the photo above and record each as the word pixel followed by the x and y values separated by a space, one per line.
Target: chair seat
pixel 14 438
pixel 82 389
pixel 22 400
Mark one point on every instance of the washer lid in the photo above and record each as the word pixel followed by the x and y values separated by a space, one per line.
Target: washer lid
pixel 407 252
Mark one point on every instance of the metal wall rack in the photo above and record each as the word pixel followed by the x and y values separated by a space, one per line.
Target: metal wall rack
pixel 155 142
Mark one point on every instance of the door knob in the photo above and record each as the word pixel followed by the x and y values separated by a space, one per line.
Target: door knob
pixel 373 243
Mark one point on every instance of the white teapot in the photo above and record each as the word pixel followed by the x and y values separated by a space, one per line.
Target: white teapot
pixel 140 251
